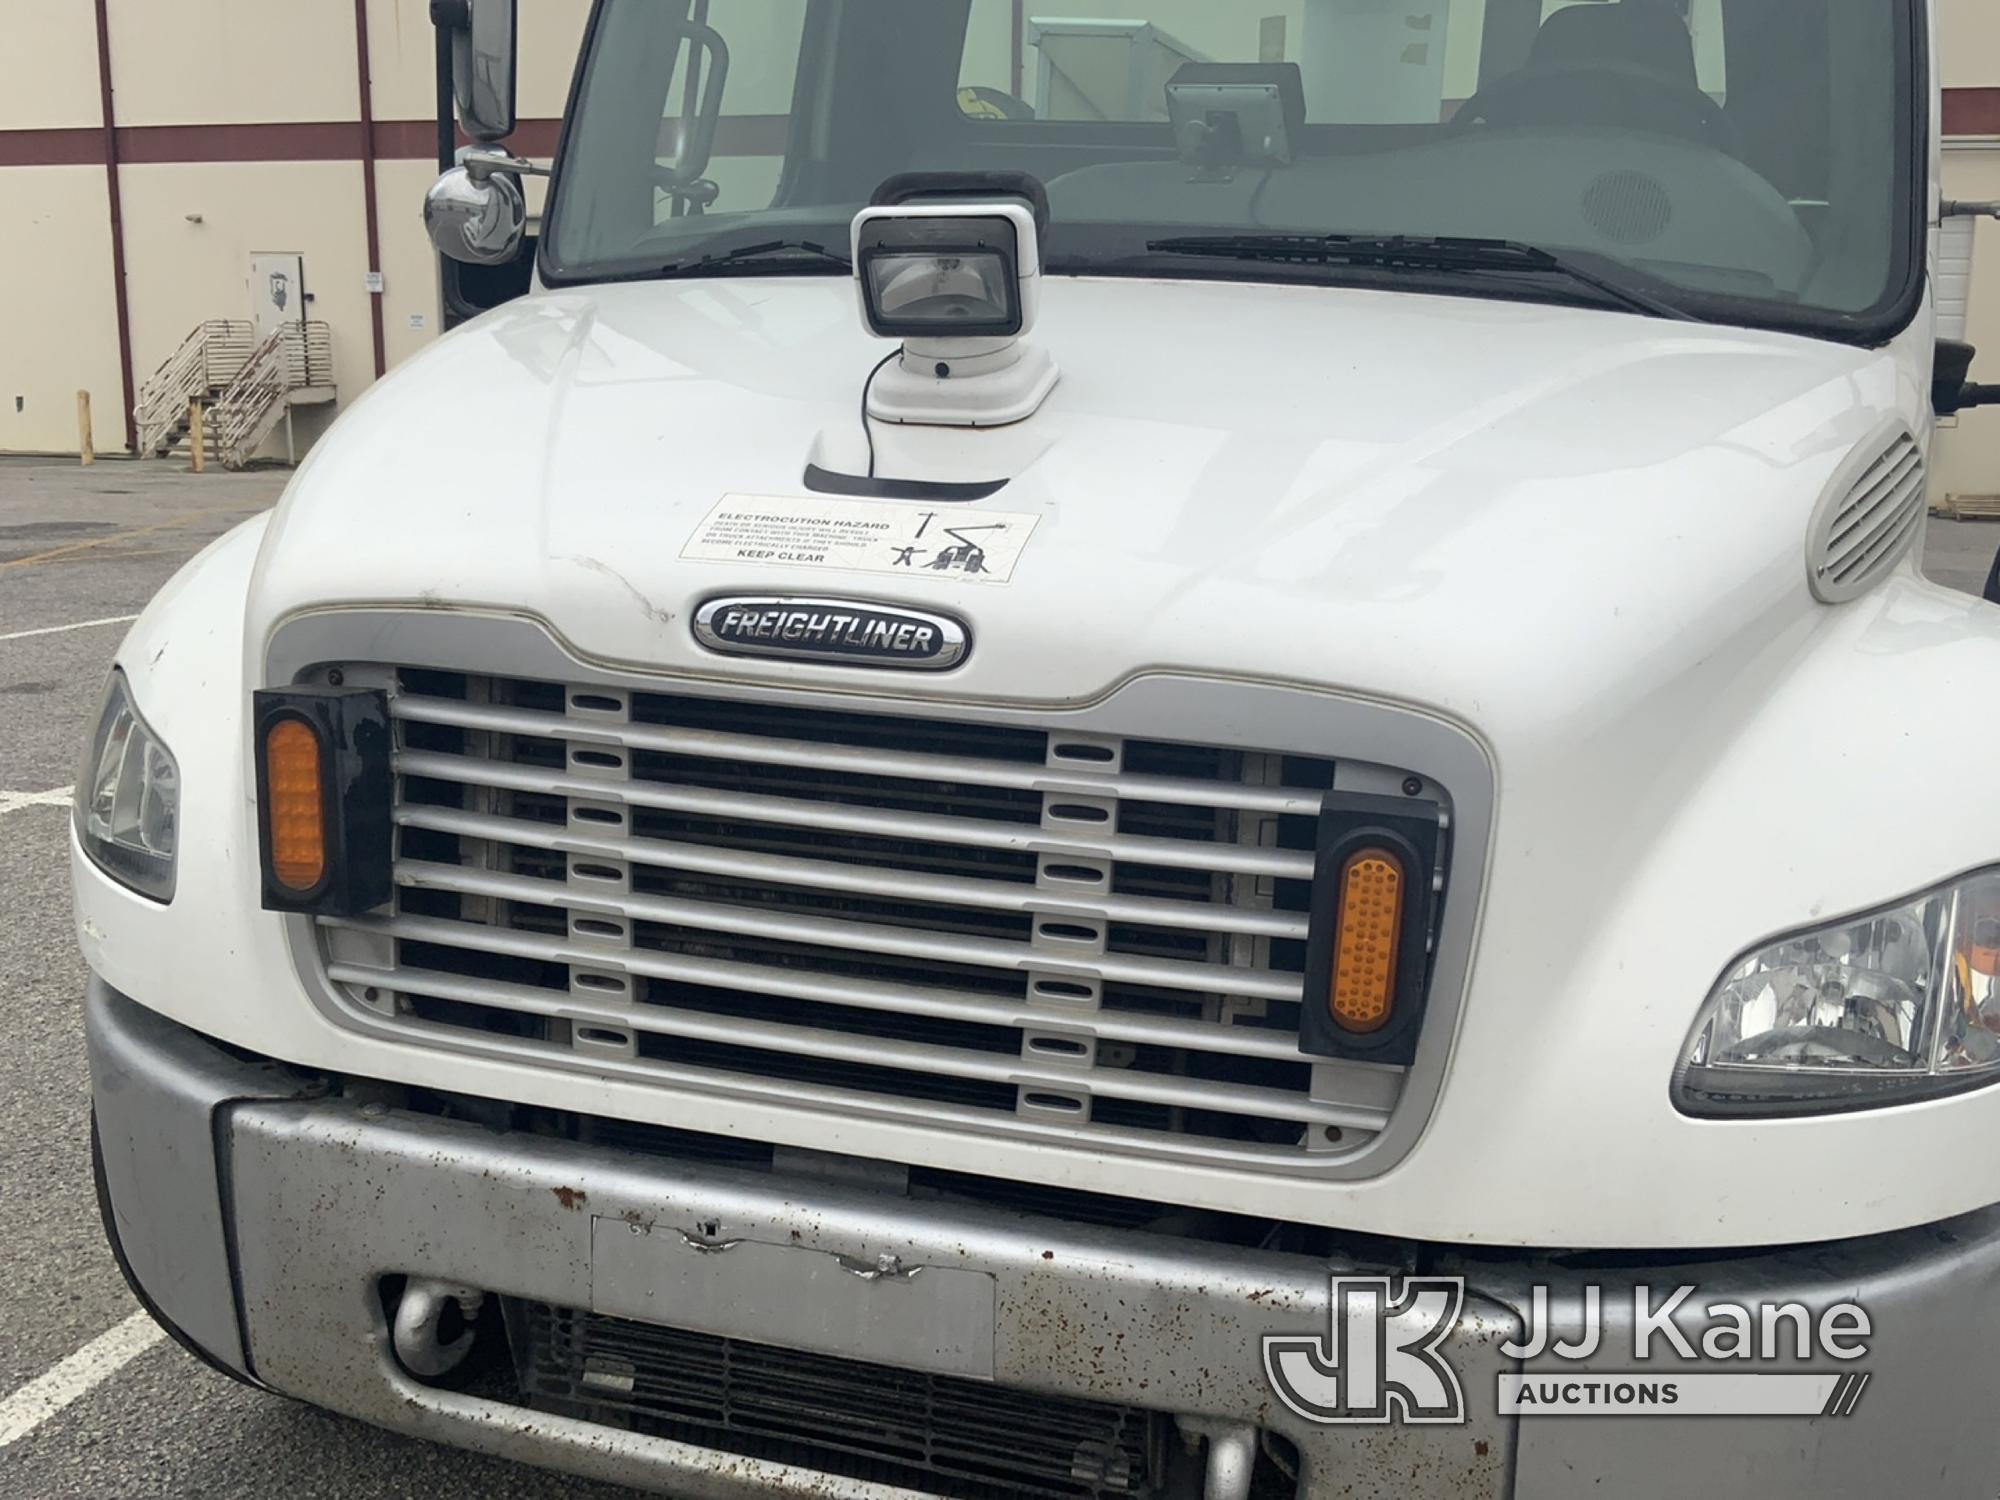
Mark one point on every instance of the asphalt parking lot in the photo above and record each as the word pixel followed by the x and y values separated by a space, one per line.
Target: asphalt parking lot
pixel 93 1401
pixel 79 546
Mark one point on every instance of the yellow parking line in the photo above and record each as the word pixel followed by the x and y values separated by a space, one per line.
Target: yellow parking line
pixel 122 536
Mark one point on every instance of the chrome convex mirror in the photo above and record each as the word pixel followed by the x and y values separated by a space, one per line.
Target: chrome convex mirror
pixel 477 212
pixel 483 51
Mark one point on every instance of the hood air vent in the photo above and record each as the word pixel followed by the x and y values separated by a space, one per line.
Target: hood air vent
pixel 1868 518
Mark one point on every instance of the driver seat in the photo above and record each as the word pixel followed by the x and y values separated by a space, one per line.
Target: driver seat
pixel 1584 62
pixel 1633 35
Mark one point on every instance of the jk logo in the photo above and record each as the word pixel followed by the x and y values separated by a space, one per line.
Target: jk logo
pixel 1379 1361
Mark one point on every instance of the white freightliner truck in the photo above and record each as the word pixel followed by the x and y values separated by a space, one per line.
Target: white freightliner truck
pixel 1115 747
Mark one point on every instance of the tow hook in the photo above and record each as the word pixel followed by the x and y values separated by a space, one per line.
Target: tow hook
pixel 419 1323
pixel 1232 1456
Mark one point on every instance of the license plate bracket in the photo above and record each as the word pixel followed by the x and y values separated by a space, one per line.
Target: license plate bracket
pixel 939 1319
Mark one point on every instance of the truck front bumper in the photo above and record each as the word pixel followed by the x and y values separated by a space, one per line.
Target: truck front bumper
pixel 258 1215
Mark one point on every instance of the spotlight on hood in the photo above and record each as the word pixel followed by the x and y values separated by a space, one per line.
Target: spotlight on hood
pixel 950 263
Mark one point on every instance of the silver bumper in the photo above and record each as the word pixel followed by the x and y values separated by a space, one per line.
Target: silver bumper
pixel 323 1199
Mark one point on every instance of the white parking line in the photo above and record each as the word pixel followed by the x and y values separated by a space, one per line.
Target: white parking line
pixel 62 796
pixel 22 635
pixel 85 1370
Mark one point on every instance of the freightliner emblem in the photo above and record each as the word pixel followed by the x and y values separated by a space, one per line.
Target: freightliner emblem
pixel 831 630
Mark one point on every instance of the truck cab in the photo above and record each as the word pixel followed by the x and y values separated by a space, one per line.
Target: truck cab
pixel 1136 749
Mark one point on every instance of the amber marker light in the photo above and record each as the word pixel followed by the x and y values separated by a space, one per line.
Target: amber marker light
pixel 1377 885
pixel 1367 933
pixel 325 794
pixel 294 776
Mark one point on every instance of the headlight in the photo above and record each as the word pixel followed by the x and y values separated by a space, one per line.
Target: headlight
pixel 1897 1005
pixel 128 799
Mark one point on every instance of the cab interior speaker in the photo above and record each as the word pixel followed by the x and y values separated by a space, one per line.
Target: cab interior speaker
pixel 1627 207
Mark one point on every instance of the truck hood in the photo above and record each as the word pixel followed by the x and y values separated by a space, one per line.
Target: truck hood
pixel 1501 511
pixel 1579 534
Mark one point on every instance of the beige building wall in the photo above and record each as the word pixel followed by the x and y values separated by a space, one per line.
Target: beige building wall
pixel 551 37
pixel 194 226
pixel 411 308
pixel 399 47
pixel 58 324
pixel 191 226
pixel 226 62
pixel 399 56
pixel 217 80
pixel 48 65
pixel 403 73
pixel 1968 44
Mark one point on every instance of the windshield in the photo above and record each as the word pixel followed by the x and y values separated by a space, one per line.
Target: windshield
pixel 1742 160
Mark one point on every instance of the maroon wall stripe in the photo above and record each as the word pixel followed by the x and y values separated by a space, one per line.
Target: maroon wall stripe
pixel 298 141
pixel 1967 112
pixel 530 137
pixel 752 135
pixel 406 140
pixel 328 140
pixel 1972 111
pixel 52 148
pixel 417 140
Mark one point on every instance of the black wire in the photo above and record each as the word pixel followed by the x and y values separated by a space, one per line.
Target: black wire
pixel 867 423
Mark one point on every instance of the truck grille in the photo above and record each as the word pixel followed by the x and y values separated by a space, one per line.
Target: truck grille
pixel 992 927
pixel 928 1433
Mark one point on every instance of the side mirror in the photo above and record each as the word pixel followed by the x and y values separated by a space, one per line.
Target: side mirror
pixel 483 56
pixel 1952 389
pixel 476 212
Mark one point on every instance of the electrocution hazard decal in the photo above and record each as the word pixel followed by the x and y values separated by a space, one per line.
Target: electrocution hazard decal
pixel 866 536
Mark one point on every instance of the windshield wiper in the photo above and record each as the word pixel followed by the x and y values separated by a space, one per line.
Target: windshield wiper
pixel 803 254
pixel 1419 252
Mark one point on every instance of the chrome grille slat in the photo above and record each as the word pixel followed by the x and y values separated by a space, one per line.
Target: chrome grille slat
pixel 1053 933
pixel 926 1113
pixel 807 754
pixel 862 880
pixel 1024 837
pixel 895 999
pixel 876 1051
pixel 862 936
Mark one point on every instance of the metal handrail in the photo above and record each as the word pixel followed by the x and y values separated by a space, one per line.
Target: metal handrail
pixel 207 360
pixel 241 380
pixel 295 356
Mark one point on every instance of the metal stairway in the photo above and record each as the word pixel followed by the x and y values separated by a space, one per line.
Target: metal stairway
pixel 246 387
pixel 207 360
